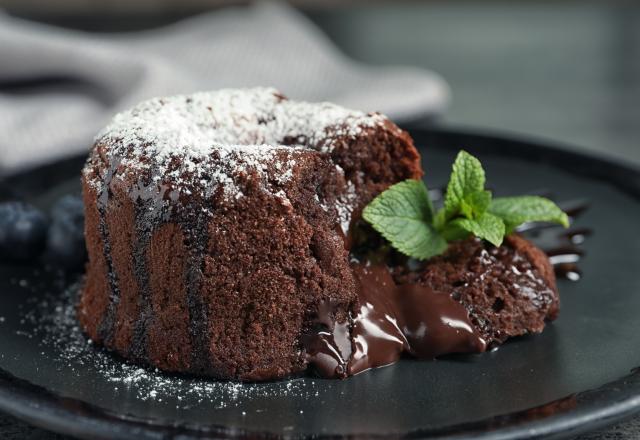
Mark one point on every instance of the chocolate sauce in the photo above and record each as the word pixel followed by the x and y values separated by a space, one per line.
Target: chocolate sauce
pixel 436 324
pixel 152 211
pixel 149 211
pixel 377 337
pixel 138 348
pixel 391 320
pixel 329 349
pixel 106 328
pixel 562 246
pixel 195 227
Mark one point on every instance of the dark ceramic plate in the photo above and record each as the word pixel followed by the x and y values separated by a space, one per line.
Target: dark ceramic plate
pixel 577 375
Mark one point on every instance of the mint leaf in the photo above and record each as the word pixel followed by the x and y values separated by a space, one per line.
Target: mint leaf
pixel 488 227
pixel 517 210
pixel 439 221
pixel 403 214
pixel 467 177
pixel 453 232
pixel 465 209
pixel 409 198
pixel 478 202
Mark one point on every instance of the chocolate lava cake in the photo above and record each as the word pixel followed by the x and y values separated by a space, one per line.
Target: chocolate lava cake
pixel 216 223
pixel 218 228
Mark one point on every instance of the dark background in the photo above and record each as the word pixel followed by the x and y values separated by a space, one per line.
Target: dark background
pixel 562 70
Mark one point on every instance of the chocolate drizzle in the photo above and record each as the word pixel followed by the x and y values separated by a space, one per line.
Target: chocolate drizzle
pixel 138 348
pixel 106 328
pixel 149 211
pixel 197 235
pixel 561 246
pixel 155 205
pixel 391 320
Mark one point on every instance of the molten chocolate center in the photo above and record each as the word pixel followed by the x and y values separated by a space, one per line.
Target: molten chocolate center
pixel 391 319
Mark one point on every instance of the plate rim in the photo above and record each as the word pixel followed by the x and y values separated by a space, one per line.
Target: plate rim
pixel 609 403
pixel 40 407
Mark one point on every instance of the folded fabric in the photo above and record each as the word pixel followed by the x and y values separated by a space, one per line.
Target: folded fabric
pixel 58 86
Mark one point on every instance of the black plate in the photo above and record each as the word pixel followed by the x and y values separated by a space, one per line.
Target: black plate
pixel 577 375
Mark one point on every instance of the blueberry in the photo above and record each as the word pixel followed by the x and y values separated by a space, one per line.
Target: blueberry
pixel 65 242
pixel 23 231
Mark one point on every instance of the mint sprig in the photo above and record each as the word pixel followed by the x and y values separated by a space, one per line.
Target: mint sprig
pixel 404 215
pixel 466 184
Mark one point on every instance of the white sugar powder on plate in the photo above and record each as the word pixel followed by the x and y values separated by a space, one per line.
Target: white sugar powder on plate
pixel 52 321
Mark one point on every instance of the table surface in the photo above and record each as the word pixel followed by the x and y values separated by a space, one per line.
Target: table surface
pixel 571 71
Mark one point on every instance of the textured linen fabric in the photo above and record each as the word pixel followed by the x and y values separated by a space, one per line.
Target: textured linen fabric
pixel 59 87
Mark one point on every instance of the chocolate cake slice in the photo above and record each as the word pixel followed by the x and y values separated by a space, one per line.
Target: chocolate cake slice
pixel 216 223
pixel 508 290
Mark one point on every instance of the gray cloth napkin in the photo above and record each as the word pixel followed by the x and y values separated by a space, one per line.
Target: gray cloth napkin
pixel 59 87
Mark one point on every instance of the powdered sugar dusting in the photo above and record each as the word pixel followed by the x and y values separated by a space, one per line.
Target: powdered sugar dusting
pixel 194 125
pixel 51 320
pixel 215 136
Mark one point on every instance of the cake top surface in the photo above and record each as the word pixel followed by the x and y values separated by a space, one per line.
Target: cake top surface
pixel 238 129
pixel 229 119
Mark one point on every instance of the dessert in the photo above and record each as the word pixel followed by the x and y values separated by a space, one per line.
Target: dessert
pixel 220 226
pixel 215 227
